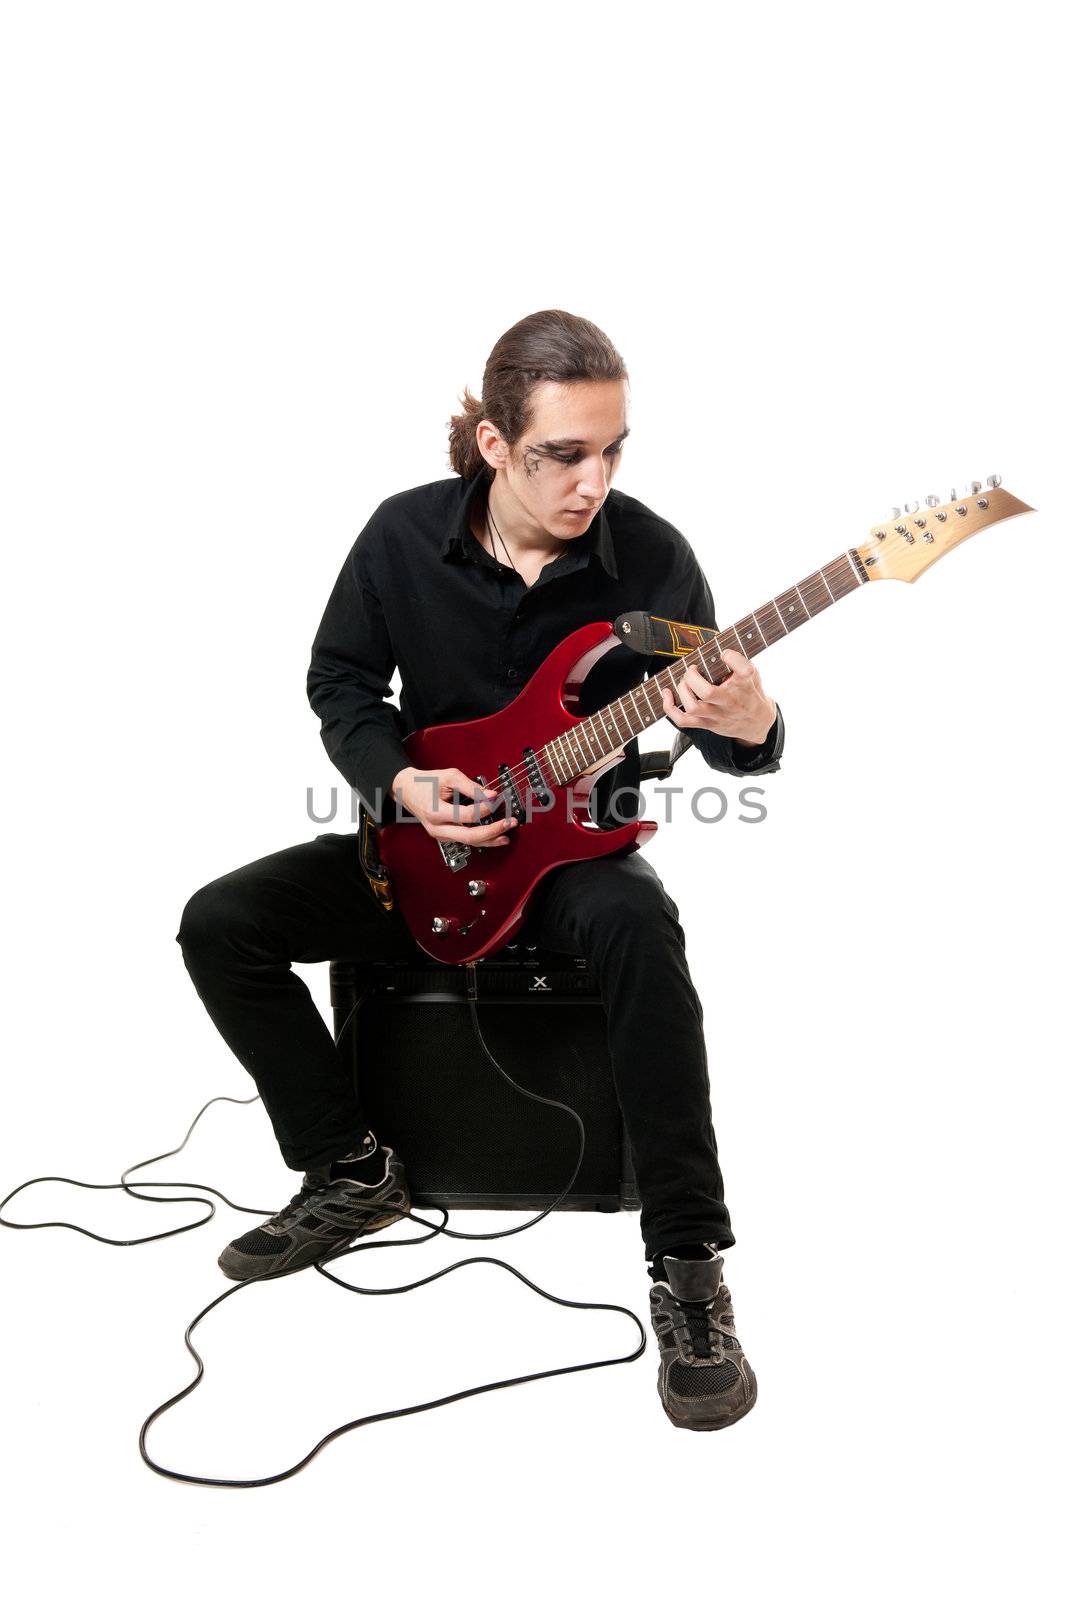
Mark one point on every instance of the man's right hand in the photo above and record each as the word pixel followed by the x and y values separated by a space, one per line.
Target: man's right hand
pixel 429 793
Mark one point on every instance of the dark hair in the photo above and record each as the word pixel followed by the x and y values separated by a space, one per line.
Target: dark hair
pixel 548 346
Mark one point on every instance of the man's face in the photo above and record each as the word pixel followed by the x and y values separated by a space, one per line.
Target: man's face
pixel 560 470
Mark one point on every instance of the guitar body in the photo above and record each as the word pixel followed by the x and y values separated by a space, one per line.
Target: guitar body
pixel 476 902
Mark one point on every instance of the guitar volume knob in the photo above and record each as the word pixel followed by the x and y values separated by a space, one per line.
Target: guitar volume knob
pixel 442 924
pixel 476 887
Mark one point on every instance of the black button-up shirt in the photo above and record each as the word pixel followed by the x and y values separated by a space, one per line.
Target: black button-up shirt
pixel 417 590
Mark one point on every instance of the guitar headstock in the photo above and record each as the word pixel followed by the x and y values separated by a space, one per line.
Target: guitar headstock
pixel 919 534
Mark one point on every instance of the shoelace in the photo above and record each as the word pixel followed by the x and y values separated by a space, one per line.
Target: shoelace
pixel 299 1202
pixel 707 1340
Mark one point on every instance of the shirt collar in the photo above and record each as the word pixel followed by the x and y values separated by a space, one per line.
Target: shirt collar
pixel 458 538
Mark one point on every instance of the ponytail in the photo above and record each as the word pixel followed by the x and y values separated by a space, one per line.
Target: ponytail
pixel 546 347
pixel 466 458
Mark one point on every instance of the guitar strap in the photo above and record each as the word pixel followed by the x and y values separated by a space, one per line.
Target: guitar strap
pixel 648 635
pixel 370 857
pixel 643 633
pixel 660 763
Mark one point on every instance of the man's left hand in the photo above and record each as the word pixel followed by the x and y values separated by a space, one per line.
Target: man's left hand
pixel 739 708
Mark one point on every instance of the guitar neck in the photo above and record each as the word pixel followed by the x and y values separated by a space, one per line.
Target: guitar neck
pixel 592 740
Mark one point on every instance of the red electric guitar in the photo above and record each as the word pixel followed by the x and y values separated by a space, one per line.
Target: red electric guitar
pixel 461 902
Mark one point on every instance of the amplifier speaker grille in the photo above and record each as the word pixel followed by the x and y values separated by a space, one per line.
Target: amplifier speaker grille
pixel 467 1139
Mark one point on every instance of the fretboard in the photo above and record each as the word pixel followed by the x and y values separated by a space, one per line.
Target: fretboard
pixel 585 744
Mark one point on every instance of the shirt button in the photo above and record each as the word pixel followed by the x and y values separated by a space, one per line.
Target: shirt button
pixel 512 672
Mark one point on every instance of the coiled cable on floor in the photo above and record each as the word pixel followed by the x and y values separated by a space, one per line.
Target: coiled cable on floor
pixel 432 1230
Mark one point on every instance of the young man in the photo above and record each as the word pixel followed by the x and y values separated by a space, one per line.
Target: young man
pixel 467 584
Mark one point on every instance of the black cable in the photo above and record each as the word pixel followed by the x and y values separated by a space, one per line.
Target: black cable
pixel 175 1199
pixel 399 1411
pixel 145 1183
pixel 320 1266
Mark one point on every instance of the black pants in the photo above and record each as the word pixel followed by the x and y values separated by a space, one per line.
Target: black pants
pixel 240 934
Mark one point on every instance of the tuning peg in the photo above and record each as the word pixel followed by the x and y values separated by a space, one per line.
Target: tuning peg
pixel 912 506
pixel 931 501
pixel 994 481
pixel 896 513
pixel 975 486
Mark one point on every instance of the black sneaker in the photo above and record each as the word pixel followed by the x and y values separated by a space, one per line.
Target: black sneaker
pixel 326 1214
pixel 704 1379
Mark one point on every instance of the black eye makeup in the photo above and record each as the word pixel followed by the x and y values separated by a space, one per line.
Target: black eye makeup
pixel 571 460
pixel 567 458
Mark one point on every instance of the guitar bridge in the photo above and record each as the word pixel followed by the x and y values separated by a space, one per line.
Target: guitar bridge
pixel 455 854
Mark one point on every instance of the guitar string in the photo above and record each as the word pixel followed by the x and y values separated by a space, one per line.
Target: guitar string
pixel 574 734
pixel 842 562
pixel 837 567
pixel 540 755
pixel 647 686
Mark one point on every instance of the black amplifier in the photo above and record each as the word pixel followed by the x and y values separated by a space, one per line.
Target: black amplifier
pixel 465 1136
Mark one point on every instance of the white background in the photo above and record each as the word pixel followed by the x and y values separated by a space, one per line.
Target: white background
pixel 253 253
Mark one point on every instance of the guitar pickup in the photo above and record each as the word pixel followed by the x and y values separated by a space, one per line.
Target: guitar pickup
pixel 537 781
pixel 510 793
